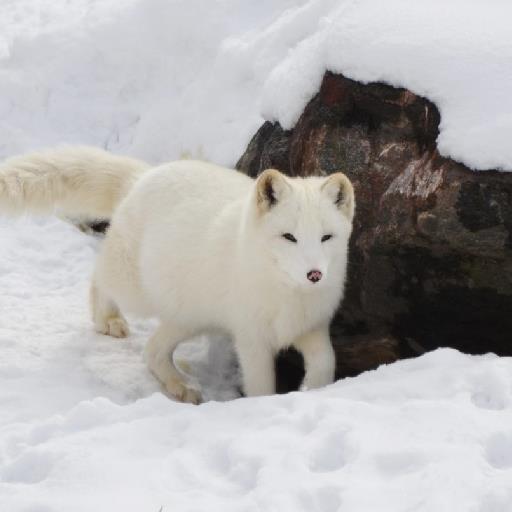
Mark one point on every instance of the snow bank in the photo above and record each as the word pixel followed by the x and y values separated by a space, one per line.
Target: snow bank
pixel 162 79
pixel 156 79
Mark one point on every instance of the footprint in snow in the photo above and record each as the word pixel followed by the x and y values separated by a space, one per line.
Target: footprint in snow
pixel 491 391
pixel 498 450
pixel 496 501
pixel 30 468
pixel 399 463
pixel 322 499
pixel 332 452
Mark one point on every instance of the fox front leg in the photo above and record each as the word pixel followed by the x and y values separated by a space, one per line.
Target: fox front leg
pixel 319 358
pixel 257 365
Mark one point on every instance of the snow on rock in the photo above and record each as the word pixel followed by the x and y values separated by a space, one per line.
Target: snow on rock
pixel 162 79
pixel 455 53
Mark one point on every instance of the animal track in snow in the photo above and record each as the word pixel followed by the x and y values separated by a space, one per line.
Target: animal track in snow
pixel 332 452
pixel 323 499
pixel 30 468
pixel 497 501
pixel 492 390
pixel 399 463
pixel 498 450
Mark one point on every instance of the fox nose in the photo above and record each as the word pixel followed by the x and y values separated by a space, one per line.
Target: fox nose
pixel 314 276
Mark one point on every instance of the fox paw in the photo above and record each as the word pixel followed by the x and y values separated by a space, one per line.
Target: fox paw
pixel 115 326
pixel 182 393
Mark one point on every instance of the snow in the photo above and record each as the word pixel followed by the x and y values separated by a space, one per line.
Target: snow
pixel 83 425
pixel 163 79
pixel 140 77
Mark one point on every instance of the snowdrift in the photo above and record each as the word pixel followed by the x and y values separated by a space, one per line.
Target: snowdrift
pixel 160 79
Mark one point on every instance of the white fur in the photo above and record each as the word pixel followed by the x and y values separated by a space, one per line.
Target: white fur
pixel 78 180
pixel 201 248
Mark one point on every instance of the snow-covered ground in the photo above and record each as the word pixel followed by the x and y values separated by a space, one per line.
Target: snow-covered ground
pixel 83 425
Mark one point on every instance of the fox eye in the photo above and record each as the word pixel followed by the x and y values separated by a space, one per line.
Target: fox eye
pixel 326 237
pixel 289 237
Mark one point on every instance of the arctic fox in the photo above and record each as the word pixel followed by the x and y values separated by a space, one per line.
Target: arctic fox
pixel 204 249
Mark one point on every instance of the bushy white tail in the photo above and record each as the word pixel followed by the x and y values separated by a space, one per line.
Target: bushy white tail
pixel 75 180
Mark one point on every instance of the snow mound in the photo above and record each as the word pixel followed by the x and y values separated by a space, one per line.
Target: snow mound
pixel 155 79
pixel 162 80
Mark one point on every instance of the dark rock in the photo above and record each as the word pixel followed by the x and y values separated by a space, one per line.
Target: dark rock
pixel 269 148
pixel 431 254
pixel 366 353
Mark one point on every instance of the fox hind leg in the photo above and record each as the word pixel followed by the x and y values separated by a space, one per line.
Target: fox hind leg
pixel 159 351
pixel 106 315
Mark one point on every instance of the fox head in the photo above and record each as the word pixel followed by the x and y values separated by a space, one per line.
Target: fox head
pixel 304 225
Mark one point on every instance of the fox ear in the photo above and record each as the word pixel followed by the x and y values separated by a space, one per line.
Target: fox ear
pixel 271 185
pixel 339 189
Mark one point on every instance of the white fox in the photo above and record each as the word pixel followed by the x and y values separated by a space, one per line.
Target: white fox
pixel 205 249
